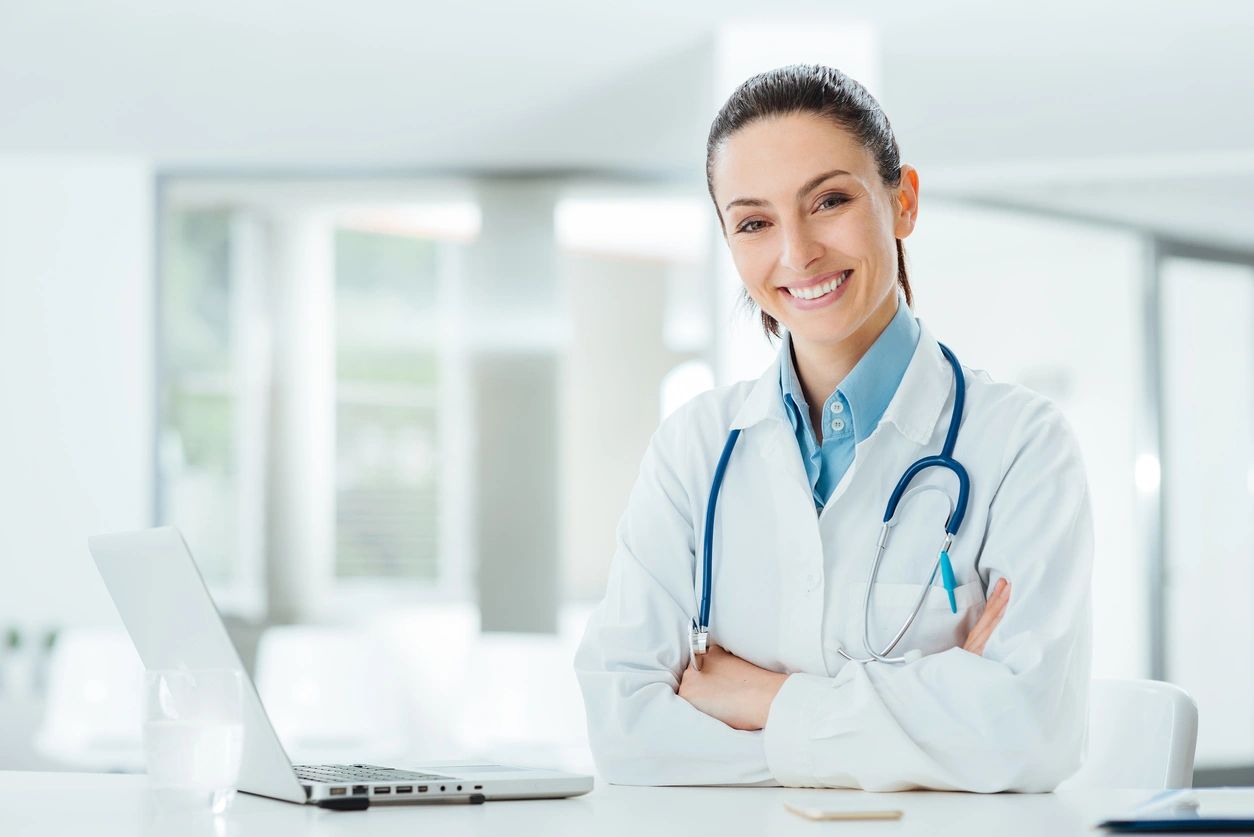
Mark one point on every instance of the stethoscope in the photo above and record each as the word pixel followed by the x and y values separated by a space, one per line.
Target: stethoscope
pixel 699 639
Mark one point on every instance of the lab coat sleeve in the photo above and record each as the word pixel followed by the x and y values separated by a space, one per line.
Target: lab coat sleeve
pixel 1011 719
pixel 635 646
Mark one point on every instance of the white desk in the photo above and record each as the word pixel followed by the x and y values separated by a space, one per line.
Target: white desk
pixel 74 804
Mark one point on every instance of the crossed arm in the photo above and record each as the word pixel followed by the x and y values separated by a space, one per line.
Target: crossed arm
pixel 739 694
pixel 1006 711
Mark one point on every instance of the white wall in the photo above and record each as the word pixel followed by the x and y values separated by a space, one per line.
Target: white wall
pixel 1054 306
pixel 1208 473
pixel 76 358
pixel 610 396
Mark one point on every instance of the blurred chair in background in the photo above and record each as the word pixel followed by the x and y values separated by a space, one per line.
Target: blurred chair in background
pixel 408 685
pixel 522 701
pixel 93 716
pixel 428 649
pixel 330 695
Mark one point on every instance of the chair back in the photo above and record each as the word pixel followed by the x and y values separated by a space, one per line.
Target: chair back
pixel 1142 734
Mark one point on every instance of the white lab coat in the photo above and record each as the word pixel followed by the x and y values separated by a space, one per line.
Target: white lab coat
pixel 788 586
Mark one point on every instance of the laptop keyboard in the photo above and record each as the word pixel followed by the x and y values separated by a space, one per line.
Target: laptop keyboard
pixel 359 773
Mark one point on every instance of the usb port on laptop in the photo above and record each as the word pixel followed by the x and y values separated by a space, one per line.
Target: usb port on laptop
pixel 404 788
pixel 338 791
pixel 382 790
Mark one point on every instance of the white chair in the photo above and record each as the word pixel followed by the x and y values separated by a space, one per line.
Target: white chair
pixel 93 719
pixel 430 646
pixel 329 693
pixel 522 701
pixel 1142 734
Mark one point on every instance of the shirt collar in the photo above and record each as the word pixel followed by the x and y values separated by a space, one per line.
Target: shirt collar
pixel 913 409
pixel 790 386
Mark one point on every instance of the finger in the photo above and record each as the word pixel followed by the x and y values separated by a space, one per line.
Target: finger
pixel 993 610
pixel 990 619
pixel 1001 597
pixel 975 640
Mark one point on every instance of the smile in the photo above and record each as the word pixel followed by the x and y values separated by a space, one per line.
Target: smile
pixel 816 291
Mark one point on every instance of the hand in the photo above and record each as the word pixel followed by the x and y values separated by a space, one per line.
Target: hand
pixel 735 691
pixel 994 608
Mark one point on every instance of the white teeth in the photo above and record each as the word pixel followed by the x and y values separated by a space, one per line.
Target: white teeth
pixel 820 290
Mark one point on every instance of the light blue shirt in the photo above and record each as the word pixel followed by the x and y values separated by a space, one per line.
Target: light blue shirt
pixel 851 413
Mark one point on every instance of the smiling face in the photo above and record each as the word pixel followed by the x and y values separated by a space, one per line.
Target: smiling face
pixel 812 227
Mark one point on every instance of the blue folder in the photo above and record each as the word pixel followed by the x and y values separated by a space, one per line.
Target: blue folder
pixel 1209 810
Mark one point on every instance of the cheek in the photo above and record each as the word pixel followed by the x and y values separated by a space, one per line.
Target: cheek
pixel 753 266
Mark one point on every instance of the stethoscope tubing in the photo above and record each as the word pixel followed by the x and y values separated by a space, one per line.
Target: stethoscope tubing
pixel 945 460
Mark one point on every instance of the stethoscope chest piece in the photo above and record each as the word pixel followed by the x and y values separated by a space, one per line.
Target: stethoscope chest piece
pixel 698 643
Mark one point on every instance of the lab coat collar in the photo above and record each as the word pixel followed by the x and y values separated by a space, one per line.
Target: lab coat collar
pixel 921 396
pixel 763 401
pixel 913 410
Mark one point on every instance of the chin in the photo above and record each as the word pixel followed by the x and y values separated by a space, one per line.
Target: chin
pixel 820 329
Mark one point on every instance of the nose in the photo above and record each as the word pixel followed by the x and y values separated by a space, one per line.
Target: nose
pixel 801 249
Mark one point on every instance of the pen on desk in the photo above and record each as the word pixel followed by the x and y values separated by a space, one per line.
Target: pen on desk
pixel 822 814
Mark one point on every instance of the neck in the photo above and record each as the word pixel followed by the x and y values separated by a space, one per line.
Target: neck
pixel 822 366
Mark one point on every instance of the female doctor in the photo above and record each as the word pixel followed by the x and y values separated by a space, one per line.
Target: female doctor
pixel 793 600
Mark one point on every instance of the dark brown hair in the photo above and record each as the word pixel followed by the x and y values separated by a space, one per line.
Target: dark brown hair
pixel 824 91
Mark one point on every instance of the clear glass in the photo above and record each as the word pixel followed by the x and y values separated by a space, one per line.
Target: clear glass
pixel 194 735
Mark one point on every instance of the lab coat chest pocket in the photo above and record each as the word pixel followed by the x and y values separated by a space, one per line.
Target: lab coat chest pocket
pixel 907 565
pixel 935 629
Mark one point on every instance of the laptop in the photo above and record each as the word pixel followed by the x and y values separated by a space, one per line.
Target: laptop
pixel 167 609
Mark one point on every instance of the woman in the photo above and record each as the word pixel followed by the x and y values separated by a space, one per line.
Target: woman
pixel 814 202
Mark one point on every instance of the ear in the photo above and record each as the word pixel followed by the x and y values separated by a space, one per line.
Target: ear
pixel 906 202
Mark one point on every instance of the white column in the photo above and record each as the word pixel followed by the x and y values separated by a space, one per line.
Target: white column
pixel 516 323
pixel 301 491
pixel 253 364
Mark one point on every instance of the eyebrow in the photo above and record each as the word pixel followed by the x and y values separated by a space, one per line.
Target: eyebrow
pixel 801 193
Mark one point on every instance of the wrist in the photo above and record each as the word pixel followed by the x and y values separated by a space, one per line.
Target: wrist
pixel 770 688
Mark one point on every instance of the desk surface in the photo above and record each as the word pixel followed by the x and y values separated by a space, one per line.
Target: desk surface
pixel 103 805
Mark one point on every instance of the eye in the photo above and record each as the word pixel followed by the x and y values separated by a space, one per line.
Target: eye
pixel 745 227
pixel 836 197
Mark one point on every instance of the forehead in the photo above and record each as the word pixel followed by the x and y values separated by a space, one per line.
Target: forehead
pixel 771 157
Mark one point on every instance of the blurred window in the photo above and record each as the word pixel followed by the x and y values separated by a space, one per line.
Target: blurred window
pixel 197 395
pixel 391 396
pixel 387 405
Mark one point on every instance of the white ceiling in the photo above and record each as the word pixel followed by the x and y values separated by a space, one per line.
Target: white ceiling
pixel 1031 105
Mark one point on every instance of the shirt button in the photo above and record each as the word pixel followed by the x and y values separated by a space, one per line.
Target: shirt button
pixel 838 407
pixel 838 425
